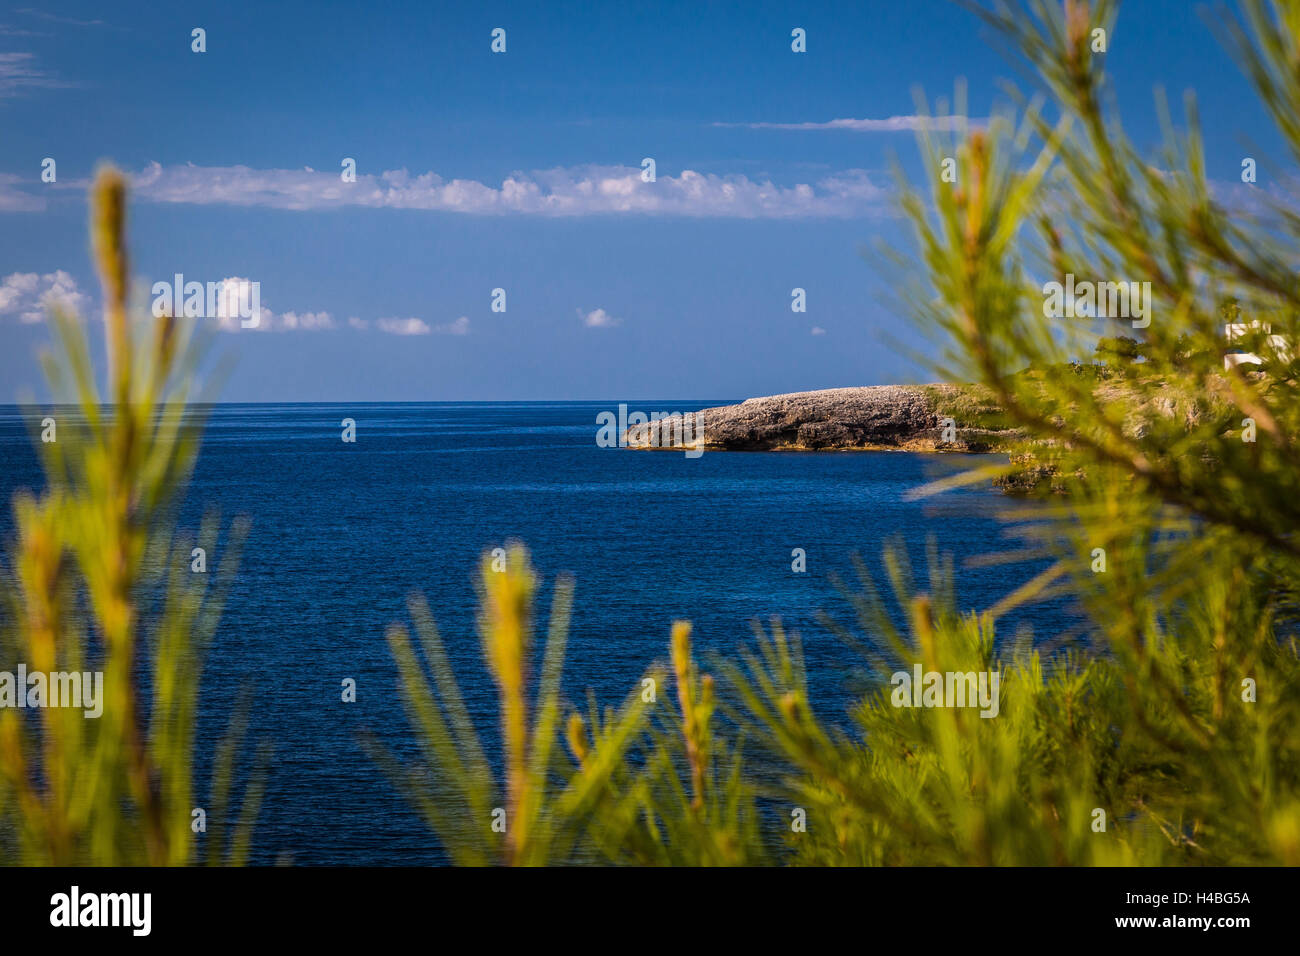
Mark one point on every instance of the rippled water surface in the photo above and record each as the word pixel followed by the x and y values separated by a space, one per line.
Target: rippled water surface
pixel 341 533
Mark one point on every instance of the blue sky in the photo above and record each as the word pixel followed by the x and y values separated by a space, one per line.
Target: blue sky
pixel 518 171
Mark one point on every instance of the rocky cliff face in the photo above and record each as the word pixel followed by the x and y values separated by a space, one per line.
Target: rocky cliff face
pixel 900 417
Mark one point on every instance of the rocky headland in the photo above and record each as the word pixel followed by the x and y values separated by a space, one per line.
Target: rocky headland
pixel 865 418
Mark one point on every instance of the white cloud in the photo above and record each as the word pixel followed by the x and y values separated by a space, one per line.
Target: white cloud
pixel 19 73
pixel 891 124
pixel 30 295
pixel 307 321
pixel 576 191
pixel 818 330
pixel 236 297
pixel 598 319
pixel 403 326
pixel 412 326
pixel 459 327
pixel 55 18
pixel 15 200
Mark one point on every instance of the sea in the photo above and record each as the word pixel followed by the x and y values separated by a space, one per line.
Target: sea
pixel 341 533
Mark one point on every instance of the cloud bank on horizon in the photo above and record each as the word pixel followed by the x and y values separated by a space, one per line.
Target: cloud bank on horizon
pixel 577 191
pixel 560 192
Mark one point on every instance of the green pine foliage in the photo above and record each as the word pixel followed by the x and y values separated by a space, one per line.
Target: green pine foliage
pixel 99 580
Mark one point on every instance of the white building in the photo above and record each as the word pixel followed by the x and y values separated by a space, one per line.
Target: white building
pixel 1241 329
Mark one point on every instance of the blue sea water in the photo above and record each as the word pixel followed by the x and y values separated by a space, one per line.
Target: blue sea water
pixel 342 533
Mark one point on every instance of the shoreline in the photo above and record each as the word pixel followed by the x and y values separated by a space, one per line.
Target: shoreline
pixel 938 418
